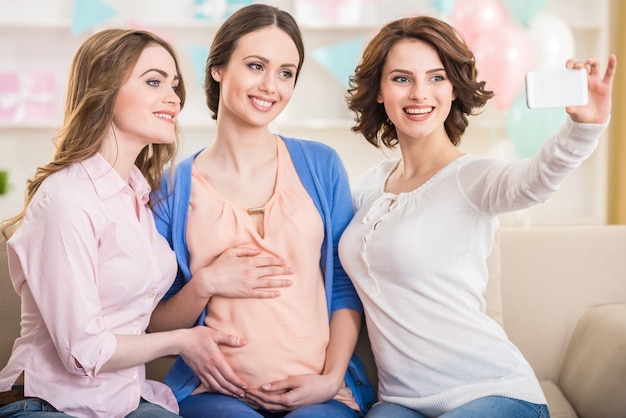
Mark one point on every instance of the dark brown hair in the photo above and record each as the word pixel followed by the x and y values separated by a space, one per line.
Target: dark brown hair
pixel 244 21
pixel 458 61
pixel 100 67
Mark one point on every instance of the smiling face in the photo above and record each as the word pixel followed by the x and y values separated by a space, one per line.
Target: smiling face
pixel 146 106
pixel 415 90
pixel 258 81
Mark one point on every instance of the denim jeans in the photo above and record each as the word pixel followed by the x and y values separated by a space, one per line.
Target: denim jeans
pixel 210 405
pixel 488 407
pixel 33 407
pixel 37 408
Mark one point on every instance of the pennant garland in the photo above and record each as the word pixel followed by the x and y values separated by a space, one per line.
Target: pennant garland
pixel 340 59
pixel 198 55
pixel 89 13
pixel 218 10
pixel 443 6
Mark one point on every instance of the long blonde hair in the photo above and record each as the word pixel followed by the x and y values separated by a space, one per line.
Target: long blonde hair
pixel 99 68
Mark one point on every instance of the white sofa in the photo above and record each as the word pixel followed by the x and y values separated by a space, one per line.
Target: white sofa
pixel 560 293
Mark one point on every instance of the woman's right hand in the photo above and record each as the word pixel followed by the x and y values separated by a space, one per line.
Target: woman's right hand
pixel 236 273
pixel 598 107
pixel 241 273
pixel 201 352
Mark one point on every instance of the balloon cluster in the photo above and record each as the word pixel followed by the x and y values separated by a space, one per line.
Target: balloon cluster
pixel 510 38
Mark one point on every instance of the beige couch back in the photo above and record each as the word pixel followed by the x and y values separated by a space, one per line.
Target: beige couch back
pixel 549 277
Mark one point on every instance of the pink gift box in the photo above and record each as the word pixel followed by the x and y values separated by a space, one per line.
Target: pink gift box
pixel 27 96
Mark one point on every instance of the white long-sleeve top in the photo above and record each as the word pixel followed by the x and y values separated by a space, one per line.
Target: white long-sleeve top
pixel 418 262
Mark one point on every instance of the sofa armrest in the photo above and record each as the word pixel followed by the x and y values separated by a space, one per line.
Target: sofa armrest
pixel 593 373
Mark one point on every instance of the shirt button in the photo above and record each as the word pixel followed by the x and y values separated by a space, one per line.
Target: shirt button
pixel 133 375
pixel 151 295
pixel 152 255
pixel 137 331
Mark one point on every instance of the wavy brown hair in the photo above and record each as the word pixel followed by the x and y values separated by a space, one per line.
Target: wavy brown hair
pixel 244 21
pixel 100 67
pixel 458 61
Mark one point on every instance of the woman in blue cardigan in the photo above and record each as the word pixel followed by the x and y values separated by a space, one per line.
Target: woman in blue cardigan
pixel 255 219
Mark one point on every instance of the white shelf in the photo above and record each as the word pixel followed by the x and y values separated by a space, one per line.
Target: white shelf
pixel 24 126
pixel 42 25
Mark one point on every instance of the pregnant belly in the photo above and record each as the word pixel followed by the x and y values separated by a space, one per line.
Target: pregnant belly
pixel 279 343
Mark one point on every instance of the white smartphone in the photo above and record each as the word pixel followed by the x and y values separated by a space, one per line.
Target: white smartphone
pixel 556 88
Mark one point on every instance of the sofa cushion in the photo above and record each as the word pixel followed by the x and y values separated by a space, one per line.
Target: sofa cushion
pixel 557 404
pixel 593 374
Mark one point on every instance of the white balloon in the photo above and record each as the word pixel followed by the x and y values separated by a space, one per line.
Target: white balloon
pixel 552 42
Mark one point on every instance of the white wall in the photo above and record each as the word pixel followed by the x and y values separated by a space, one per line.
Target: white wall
pixel 35 35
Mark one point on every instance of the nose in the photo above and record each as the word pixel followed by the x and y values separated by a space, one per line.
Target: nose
pixel 418 91
pixel 172 97
pixel 268 84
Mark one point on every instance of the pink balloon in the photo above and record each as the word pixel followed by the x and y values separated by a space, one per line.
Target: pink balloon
pixel 474 17
pixel 503 57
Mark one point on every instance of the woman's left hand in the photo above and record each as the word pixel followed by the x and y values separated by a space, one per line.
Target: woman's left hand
pixel 294 392
pixel 598 108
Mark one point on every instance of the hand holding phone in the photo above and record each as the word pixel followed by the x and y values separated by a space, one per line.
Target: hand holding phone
pixel 556 88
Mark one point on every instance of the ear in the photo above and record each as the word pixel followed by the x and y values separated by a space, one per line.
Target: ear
pixel 379 97
pixel 216 73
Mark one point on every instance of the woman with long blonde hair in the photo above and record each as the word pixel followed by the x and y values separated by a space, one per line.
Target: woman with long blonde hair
pixel 84 254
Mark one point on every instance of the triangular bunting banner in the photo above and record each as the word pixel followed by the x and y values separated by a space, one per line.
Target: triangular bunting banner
pixel 89 13
pixel 218 10
pixel 340 59
pixel 443 6
pixel 198 56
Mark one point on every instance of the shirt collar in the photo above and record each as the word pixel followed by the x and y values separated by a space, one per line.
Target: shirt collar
pixel 107 182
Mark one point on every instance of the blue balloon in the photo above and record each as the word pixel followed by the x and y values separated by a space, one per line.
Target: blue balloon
pixel 529 128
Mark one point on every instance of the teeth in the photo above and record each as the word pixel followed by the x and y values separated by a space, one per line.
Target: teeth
pixel 164 116
pixel 260 102
pixel 419 111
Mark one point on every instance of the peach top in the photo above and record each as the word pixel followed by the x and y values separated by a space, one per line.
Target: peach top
pixel 287 335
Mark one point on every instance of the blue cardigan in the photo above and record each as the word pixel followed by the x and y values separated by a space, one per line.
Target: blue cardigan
pixel 324 177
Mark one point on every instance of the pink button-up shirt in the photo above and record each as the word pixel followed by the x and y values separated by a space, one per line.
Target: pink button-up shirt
pixel 88 263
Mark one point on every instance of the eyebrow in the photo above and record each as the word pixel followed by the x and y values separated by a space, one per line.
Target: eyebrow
pixel 399 70
pixel 163 73
pixel 265 60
